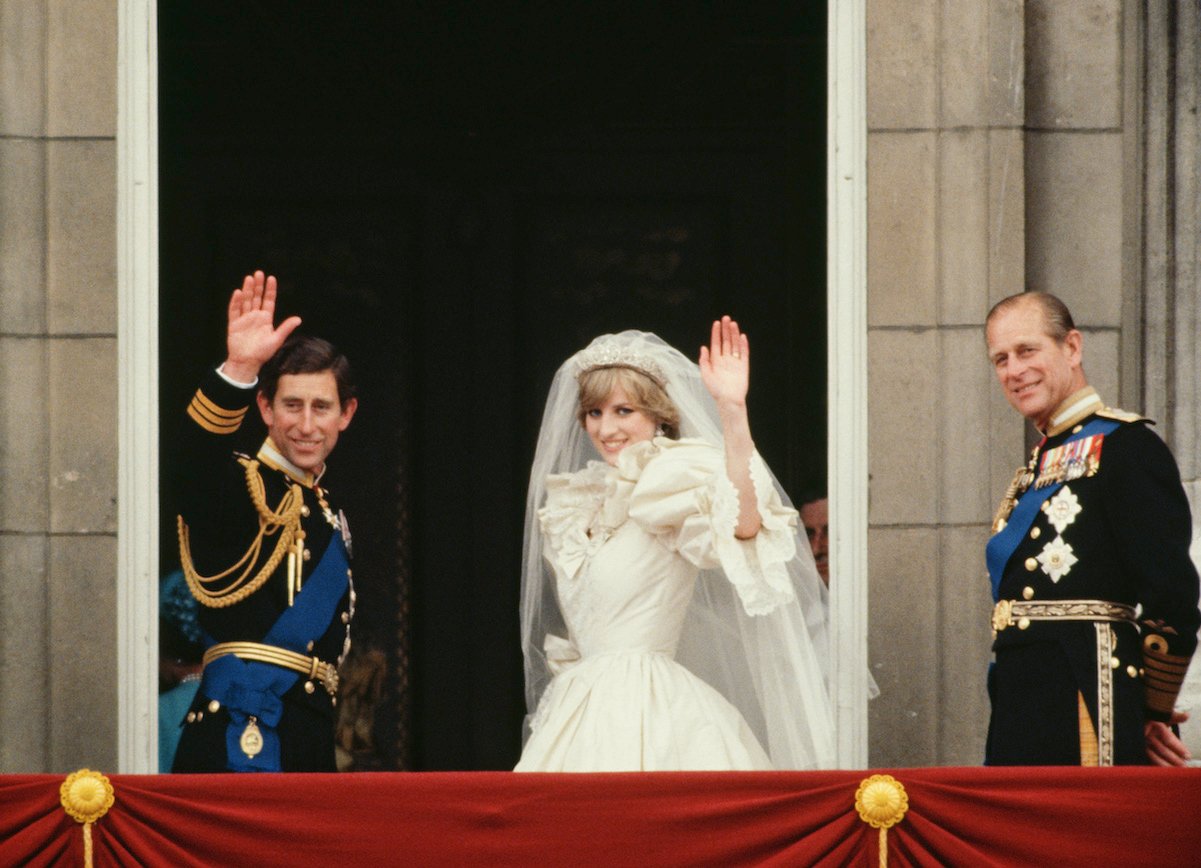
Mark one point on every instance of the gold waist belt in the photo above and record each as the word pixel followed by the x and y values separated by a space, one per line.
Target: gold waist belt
pixel 310 667
pixel 1008 613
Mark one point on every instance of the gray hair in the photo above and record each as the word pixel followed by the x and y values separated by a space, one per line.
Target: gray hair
pixel 1057 319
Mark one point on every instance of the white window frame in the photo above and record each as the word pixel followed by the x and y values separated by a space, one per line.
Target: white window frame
pixel 137 376
pixel 846 377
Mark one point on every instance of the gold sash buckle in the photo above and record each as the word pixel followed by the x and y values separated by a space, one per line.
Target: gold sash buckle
pixel 310 667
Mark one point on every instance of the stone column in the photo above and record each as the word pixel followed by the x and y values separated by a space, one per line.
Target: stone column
pixel 946 216
pixel 58 386
pixel 1082 158
pixel 1171 260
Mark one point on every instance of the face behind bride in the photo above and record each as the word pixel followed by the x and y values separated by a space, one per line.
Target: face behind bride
pixel 620 407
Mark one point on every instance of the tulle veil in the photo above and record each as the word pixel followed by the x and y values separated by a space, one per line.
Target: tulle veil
pixel 772 665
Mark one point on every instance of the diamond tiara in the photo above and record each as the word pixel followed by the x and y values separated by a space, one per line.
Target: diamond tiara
pixel 614 356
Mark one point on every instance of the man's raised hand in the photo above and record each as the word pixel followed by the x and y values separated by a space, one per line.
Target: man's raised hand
pixel 252 336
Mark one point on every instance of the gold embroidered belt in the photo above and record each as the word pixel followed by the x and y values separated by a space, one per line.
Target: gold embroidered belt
pixel 1008 613
pixel 311 667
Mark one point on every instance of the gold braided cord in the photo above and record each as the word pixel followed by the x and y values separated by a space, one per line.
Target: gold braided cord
pixel 284 521
pixel 1021 481
pixel 1007 502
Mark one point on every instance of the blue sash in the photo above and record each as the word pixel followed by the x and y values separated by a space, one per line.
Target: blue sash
pixel 248 688
pixel 1004 543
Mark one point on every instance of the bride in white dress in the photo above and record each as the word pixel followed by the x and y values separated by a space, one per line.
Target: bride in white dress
pixel 672 617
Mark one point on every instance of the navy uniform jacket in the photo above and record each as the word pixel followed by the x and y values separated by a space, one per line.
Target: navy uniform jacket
pixel 1123 537
pixel 222 524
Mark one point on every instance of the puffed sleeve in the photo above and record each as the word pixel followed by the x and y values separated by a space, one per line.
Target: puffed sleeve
pixel 682 495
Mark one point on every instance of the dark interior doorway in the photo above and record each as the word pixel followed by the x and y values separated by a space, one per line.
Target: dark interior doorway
pixel 460 195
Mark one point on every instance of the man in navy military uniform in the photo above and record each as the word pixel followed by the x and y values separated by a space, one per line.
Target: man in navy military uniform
pixel 262 548
pixel 1096 599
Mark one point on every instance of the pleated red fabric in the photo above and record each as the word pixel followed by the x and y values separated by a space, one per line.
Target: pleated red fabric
pixel 956 816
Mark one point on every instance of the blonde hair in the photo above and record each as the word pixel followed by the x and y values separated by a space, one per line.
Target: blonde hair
pixel 644 393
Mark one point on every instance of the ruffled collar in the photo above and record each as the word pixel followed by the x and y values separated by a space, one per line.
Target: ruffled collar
pixel 583 509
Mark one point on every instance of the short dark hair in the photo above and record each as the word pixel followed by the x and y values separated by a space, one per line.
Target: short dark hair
pixel 1056 317
pixel 810 495
pixel 302 354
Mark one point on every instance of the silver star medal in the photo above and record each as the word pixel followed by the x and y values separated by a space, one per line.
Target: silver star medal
pixel 1063 509
pixel 1057 559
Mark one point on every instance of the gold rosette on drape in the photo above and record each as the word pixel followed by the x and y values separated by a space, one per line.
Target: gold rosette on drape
pixel 881 801
pixel 86 796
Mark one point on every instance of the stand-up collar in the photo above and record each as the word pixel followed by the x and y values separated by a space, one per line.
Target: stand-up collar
pixel 1078 407
pixel 270 455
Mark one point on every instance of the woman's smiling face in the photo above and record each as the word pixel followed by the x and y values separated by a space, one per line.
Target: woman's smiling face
pixel 616 423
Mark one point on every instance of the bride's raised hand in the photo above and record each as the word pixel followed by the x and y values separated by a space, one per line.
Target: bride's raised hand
pixel 726 363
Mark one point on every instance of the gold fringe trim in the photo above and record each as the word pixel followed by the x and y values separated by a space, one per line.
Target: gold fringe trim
pixel 881 801
pixel 1090 754
pixel 285 521
pixel 86 796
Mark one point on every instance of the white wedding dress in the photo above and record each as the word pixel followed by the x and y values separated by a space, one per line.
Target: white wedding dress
pixel 625 544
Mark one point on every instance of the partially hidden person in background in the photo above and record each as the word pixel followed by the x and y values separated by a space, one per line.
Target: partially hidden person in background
pixel 181 649
pixel 814 510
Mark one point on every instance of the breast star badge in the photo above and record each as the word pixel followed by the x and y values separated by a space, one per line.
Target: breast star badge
pixel 1063 509
pixel 1057 559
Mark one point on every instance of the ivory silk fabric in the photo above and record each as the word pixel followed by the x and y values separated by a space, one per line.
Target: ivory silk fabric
pixel 625 544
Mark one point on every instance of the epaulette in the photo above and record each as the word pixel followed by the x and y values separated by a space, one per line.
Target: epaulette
pixel 1122 415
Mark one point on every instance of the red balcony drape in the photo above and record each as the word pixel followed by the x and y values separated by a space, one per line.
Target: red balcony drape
pixel 956 816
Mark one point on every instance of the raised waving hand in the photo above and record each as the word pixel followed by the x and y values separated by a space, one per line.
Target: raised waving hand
pixel 725 370
pixel 252 337
pixel 726 363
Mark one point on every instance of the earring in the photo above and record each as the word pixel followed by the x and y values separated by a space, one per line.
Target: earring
pixel 659 432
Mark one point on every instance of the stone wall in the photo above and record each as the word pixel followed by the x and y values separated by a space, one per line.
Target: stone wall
pixel 1003 148
pixel 58 389
pixel 1171 260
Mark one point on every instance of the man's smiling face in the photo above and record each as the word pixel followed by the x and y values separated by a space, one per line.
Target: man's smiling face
pixel 1036 372
pixel 305 417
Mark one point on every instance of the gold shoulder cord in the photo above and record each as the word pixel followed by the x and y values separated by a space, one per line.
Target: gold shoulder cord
pixel 285 521
pixel 1021 481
